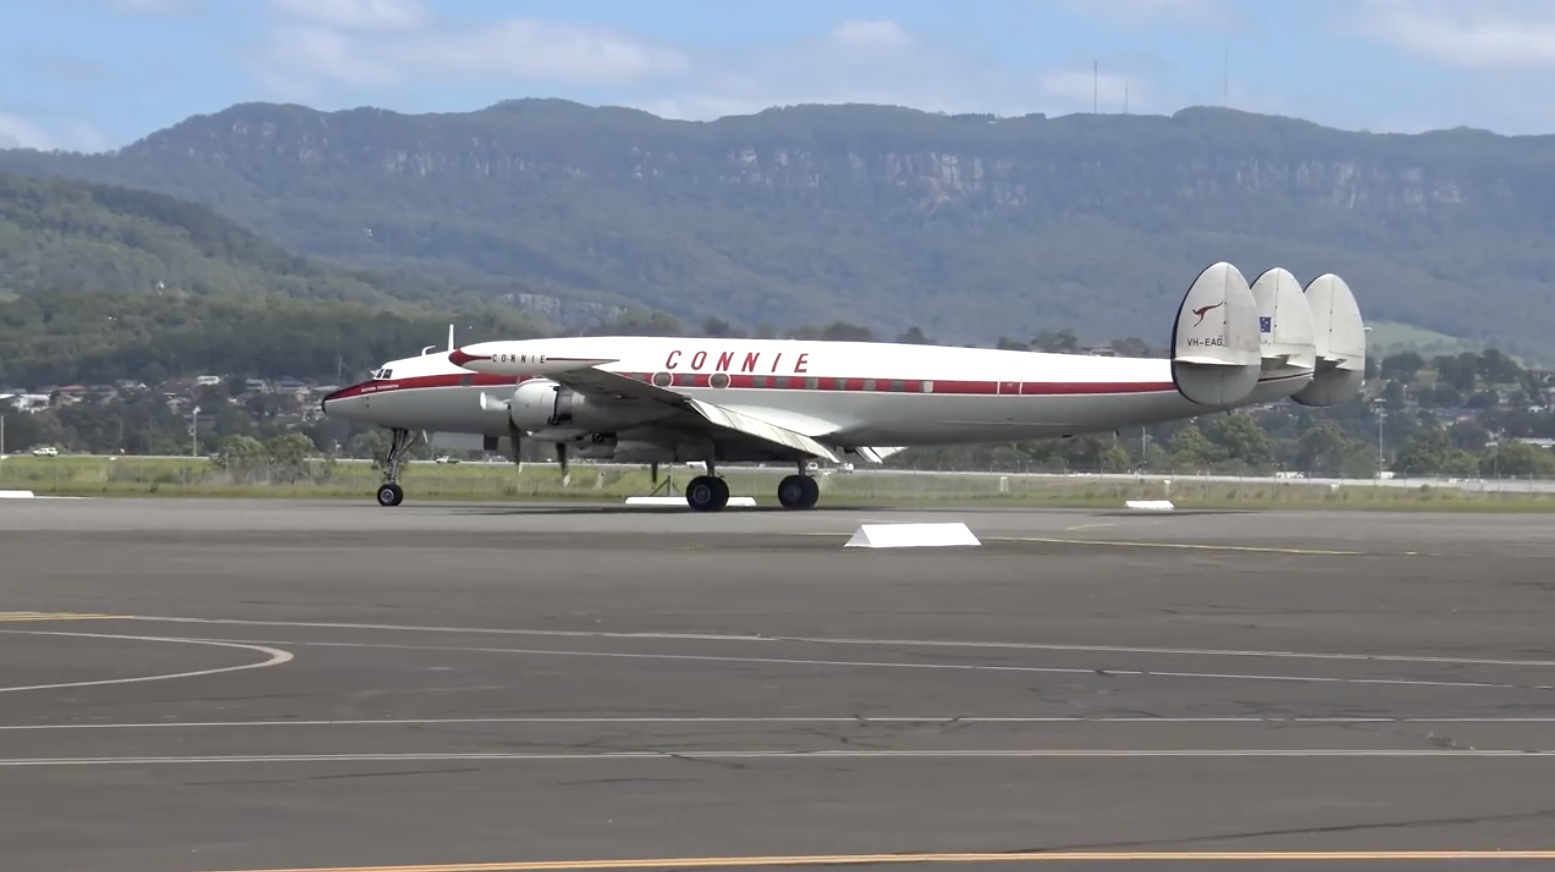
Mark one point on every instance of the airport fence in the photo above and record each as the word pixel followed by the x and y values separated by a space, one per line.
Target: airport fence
pixel 426 480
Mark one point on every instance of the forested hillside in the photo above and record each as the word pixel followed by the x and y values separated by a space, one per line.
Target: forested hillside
pixel 100 283
pixel 968 226
pixel 69 234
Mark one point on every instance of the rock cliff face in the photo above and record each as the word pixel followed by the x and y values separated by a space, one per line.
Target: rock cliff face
pixel 969 226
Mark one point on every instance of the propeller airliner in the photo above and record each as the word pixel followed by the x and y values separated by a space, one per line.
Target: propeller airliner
pixel 637 399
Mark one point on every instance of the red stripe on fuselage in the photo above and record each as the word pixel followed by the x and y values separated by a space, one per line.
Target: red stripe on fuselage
pixel 776 382
pixel 419 382
pixel 790 382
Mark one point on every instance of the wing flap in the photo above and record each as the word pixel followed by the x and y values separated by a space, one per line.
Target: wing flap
pixel 759 429
pixel 600 382
pixel 875 453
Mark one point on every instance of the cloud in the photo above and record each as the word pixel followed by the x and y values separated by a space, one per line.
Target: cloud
pixel 319 43
pixel 350 49
pixel 19 132
pixel 881 62
pixel 357 14
pixel 1214 15
pixel 166 8
pixel 1482 35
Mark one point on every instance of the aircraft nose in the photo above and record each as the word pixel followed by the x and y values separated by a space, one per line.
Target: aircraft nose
pixel 337 398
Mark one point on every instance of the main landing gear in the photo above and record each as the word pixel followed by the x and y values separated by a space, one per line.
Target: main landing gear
pixel 709 493
pixel 799 491
pixel 390 493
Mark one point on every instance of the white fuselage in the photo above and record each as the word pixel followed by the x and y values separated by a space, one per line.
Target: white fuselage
pixel 859 393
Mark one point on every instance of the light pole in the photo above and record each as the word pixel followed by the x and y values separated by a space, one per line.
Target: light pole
pixel 1382 413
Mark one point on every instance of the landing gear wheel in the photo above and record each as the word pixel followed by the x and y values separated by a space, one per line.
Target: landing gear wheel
pixel 707 493
pixel 391 494
pixel 799 492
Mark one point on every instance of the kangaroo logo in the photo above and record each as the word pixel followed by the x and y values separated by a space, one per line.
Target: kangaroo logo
pixel 1203 310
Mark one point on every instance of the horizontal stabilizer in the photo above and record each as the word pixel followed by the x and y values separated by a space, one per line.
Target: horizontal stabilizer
pixel 1340 339
pixel 1215 348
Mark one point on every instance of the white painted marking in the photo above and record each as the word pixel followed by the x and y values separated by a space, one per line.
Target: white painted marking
pixel 16 494
pixel 276 658
pixel 680 502
pixel 964 754
pixel 1150 505
pixel 861 720
pixel 821 640
pixel 911 536
pixel 884 664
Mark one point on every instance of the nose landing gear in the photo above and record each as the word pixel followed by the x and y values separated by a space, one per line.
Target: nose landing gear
pixel 400 441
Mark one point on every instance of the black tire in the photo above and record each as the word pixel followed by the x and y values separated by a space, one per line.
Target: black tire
pixel 798 492
pixel 706 494
pixel 390 495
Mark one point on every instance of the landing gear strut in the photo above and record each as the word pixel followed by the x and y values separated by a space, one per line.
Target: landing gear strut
pixel 390 493
pixel 799 491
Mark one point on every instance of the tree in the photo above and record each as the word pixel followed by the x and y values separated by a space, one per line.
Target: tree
pixel 1402 367
pixel 242 458
pixel 1322 449
pixel 1425 451
pixel 1518 460
pixel 1061 341
pixel 1239 438
pixel 1189 447
pixel 289 456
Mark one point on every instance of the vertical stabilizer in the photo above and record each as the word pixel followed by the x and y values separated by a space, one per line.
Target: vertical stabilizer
pixel 1339 335
pixel 1285 330
pixel 1215 347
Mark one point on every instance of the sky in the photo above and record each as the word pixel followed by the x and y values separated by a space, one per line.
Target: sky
pixel 91 75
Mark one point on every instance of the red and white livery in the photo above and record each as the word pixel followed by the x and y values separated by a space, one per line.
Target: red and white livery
pixel 657 400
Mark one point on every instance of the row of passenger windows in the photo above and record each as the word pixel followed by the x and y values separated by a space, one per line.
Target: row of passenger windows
pixel 811 383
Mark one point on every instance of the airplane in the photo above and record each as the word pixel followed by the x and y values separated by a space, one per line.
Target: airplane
pixel 645 399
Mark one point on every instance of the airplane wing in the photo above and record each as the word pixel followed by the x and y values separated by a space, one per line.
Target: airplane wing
pixel 599 382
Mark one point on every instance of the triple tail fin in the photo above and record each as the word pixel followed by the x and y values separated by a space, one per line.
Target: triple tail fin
pixel 1216 355
pixel 1340 339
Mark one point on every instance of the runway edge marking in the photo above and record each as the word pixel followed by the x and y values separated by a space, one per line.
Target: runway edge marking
pixel 969 857
pixel 20 616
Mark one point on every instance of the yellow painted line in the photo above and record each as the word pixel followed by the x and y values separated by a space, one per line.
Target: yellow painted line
pixel 1185 546
pixel 1087 526
pixel 58 616
pixel 1012 857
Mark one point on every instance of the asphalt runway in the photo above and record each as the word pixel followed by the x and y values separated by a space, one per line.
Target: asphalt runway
pixel 189 686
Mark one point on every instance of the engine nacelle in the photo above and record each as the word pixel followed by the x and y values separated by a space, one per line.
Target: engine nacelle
pixel 542 404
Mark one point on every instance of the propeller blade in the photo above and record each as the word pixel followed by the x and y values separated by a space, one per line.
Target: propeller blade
pixel 653 471
pixel 561 456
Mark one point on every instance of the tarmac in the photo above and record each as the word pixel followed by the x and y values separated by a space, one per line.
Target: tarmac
pixel 203 685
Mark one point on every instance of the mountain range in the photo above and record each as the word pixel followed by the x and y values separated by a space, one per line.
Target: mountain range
pixel 970 227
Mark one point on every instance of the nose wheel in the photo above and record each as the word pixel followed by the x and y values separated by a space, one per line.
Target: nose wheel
pixel 390 493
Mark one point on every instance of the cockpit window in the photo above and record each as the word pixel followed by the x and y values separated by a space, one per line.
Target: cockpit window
pixel 383 374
